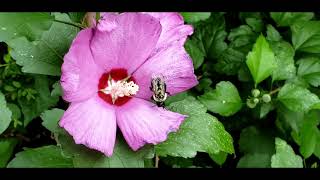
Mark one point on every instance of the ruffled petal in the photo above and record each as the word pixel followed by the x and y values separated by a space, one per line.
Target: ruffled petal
pixel 80 74
pixel 91 123
pixel 129 44
pixel 174 64
pixel 142 122
pixel 173 29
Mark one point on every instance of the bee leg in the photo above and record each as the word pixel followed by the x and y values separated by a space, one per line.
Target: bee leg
pixel 168 93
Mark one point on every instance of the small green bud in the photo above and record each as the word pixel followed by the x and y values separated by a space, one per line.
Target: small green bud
pixel 266 98
pixel 256 100
pixel 251 104
pixel 255 92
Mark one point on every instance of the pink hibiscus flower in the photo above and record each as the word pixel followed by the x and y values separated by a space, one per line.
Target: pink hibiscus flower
pixel 106 76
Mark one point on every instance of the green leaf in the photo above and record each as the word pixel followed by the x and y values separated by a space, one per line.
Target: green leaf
pixel 224 100
pixel 317 148
pixel 192 17
pixel 249 138
pixel 285 156
pixel 265 109
pixel 242 38
pixel 196 53
pixel 123 156
pixel 219 158
pixel 33 108
pixel 29 25
pixel 44 55
pixel 289 18
pixel 200 132
pixel 297 98
pixel 204 84
pixel 77 16
pixel 309 69
pixel 57 89
pixel 212 34
pixel 306 36
pixel 308 133
pixel 16 113
pixel 285 68
pixel 230 62
pixel 6 149
pixel 42 157
pixel 177 162
pixel 273 34
pixel 261 60
pixel 51 118
pixel 255 23
pixel 177 97
pixel 5 114
pixel 256 155
pixel 255 160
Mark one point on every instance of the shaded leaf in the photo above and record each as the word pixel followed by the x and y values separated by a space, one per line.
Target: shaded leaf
pixel 306 36
pixel 5 114
pixel 289 18
pixel 192 17
pixel 196 54
pixel 255 160
pixel 309 69
pixel 43 100
pixel 6 149
pixel 44 55
pixel 51 118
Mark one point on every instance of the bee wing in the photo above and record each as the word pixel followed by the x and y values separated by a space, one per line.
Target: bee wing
pixel 159 75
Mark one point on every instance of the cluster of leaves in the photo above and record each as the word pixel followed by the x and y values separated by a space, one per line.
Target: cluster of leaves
pixel 256 105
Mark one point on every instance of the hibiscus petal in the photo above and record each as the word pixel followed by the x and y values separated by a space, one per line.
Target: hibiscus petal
pixel 129 44
pixel 174 64
pixel 91 123
pixel 142 122
pixel 80 74
pixel 107 21
pixel 173 29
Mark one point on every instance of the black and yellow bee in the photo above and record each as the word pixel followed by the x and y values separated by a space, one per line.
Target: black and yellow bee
pixel 159 89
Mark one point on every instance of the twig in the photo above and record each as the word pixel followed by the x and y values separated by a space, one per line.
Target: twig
pixel 274 91
pixel 71 24
pixel 157 161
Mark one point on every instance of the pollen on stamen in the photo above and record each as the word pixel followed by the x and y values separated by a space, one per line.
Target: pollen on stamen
pixel 116 87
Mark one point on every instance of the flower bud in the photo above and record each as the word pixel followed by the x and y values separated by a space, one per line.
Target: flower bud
pixel 256 100
pixel 255 92
pixel 266 98
pixel 251 104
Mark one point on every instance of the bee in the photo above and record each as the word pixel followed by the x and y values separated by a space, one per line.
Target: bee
pixel 159 89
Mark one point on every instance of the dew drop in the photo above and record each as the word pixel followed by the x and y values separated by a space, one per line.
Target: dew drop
pixel 15 34
pixel 3 28
pixel 31 56
pixel 223 102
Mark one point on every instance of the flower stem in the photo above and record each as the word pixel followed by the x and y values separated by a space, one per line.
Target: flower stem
pixel 78 25
pixel 274 91
pixel 4 65
pixel 157 161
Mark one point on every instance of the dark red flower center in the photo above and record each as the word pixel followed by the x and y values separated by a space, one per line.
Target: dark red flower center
pixel 116 75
